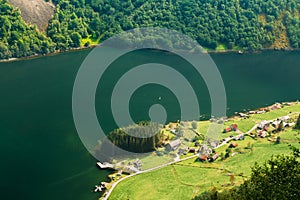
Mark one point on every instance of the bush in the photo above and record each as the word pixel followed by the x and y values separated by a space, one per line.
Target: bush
pixel 194 125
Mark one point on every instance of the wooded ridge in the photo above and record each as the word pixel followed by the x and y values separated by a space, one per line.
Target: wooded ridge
pixel 216 24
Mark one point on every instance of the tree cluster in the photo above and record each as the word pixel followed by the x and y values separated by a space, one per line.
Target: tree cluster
pixel 141 138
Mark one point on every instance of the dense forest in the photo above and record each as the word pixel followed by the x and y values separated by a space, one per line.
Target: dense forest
pixel 215 24
pixel 144 137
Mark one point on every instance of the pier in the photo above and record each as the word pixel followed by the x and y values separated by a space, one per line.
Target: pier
pixel 105 165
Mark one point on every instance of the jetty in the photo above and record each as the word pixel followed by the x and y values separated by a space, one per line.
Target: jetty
pixel 105 165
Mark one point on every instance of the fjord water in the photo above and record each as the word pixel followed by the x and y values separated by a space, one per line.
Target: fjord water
pixel 42 156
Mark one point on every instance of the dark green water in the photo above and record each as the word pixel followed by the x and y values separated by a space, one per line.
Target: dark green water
pixel 41 154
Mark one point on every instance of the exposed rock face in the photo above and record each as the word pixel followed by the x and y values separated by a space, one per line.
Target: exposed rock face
pixel 36 12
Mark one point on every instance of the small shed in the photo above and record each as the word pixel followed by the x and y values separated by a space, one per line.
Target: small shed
pixel 234 127
pixel 226 130
pixel 233 145
pixel 243 115
pixel 203 157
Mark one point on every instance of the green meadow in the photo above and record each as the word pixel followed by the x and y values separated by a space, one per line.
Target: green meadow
pixel 188 178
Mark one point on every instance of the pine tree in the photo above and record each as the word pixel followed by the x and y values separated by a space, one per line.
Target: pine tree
pixel 298 123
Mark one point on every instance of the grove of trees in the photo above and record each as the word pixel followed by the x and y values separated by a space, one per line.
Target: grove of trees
pixel 141 138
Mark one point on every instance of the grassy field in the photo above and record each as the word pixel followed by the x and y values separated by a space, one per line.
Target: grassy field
pixel 188 178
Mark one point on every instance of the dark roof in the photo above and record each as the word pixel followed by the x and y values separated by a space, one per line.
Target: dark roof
pixel 175 143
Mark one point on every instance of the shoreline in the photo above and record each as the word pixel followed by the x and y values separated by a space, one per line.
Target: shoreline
pixel 213 52
pixel 36 56
pixel 251 52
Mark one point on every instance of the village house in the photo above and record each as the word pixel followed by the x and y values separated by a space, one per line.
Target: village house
pixel 276 106
pixel 264 125
pixel 226 130
pixel 232 127
pixel 233 145
pixel 239 137
pixel 130 169
pixel 243 115
pixel 173 145
pixel 213 158
pixel 285 118
pixel 262 133
pixel 137 164
pixel 205 150
pixel 203 157
pixel 292 124
pixel 276 123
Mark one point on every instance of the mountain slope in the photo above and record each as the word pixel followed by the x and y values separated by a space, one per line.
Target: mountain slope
pixel 35 12
pixel 224 24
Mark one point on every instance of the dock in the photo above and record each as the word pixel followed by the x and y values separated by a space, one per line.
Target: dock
pixel 105 165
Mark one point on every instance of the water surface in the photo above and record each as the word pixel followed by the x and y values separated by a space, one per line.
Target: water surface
pixel 42 156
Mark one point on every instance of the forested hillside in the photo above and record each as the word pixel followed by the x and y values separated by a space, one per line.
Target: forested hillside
pixel 215 24
pixel 17 39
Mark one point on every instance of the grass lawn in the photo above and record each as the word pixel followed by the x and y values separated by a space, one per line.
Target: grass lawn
pixel 153 185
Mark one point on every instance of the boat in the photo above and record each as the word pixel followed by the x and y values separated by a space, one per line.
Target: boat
pixel 98 188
